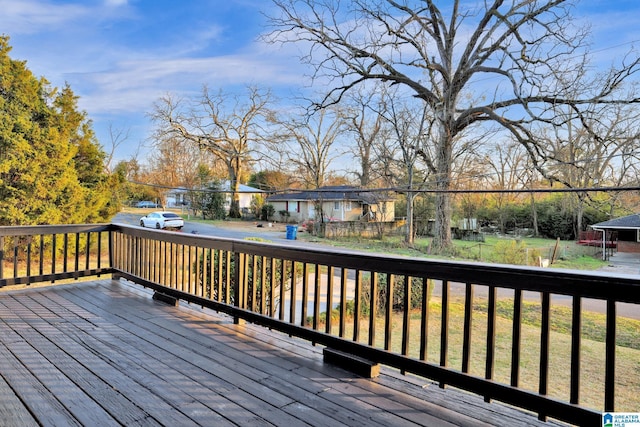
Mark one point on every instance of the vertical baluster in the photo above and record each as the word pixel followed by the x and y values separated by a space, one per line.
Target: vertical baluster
pixel 227 295
pixel 263 284
pixel 2 257
pixel 305 294
pixel 516 338
pixel 239 276
pixel 294 290
pixel 406 329
pixel 282 288
pixel 220 265
pixel 356 306
pixel 424 321
pixel 316 297
pixel 576 329
pixel 491 337
pixel 183 266
pixel 388 316
pixel 41 260
pixel 200 277
pixel 28 257
pixel 610 358
pixel 272 288
pixel 343 302
pixel 15 255
pixel 466 339
pixel 373 311
pixel 65 252
pixel 77 255
pixel 444 327
pixel 544 348
pixel 254 282
pixel 53 256
pixel 99 252
pixel 330 274
pixel 164 263
pixel 87 251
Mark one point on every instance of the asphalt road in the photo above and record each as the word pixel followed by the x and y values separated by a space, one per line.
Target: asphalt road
pixel 272 235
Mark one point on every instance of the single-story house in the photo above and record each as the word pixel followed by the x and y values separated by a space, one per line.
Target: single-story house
pixel 624 231
pixel 245 194
pixel 335 203
pixel 180 196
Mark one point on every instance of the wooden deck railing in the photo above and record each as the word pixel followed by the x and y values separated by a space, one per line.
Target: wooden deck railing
pixel 445 321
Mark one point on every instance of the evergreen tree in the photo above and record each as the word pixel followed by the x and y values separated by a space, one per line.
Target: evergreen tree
pixel 50 162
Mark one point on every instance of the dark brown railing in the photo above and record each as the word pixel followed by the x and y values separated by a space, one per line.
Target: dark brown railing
pixel 459 324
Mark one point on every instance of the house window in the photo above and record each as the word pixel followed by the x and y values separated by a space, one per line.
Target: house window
pixel 347 205
pixel 336 206
pixel 293 207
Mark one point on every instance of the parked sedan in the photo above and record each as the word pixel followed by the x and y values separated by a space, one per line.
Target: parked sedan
pixel 161 220
pixel 146 204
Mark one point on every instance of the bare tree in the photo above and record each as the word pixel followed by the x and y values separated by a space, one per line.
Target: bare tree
pixel 116 138
pixel 597 148
pixel 366 122
pixel 227 126
pixel 309 143
pixel 515 56
pixel 408 126
pixel 507 162
pixel 175 163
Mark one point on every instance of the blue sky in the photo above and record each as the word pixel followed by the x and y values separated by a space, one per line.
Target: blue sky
pixel 120 56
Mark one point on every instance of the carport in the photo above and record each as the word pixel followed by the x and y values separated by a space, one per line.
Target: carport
pixel 625 231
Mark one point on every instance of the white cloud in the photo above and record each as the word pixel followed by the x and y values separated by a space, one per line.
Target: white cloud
pixel 31 16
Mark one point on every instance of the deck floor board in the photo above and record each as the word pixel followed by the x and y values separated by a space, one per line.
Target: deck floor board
pixel 105 353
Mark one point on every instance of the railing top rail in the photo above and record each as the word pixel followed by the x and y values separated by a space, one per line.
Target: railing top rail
pixel 27 230
pixel 588 284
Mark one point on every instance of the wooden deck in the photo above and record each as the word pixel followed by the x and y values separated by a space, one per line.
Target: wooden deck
pixel 105 353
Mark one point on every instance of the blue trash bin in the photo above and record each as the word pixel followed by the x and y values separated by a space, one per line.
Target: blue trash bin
pixel 292 232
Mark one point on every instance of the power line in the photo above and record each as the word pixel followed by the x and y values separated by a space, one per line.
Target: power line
pixel 404 190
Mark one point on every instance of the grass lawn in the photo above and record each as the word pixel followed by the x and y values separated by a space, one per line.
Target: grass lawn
pixel 592 349
pixel 568 254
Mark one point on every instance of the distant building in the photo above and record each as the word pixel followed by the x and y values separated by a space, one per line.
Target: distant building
pixel 181 196
pixel 335 203
pixel 245 194
pixel 621 233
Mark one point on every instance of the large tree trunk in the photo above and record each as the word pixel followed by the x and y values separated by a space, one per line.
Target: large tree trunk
pixel 442 239
pixel 234 175
pixel 409 236
pixel 534 216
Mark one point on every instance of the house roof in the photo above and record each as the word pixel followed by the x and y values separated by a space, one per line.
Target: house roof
pixel 625 222
pixel 331 193
pixel 241 188
pixel 225 186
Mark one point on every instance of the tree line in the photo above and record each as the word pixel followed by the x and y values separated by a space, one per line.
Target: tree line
pixel 413 96
pixel 422 95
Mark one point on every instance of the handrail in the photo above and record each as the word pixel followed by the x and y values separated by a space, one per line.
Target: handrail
pixel 372 300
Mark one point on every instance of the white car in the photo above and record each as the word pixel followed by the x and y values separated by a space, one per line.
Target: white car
pixel 162 220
